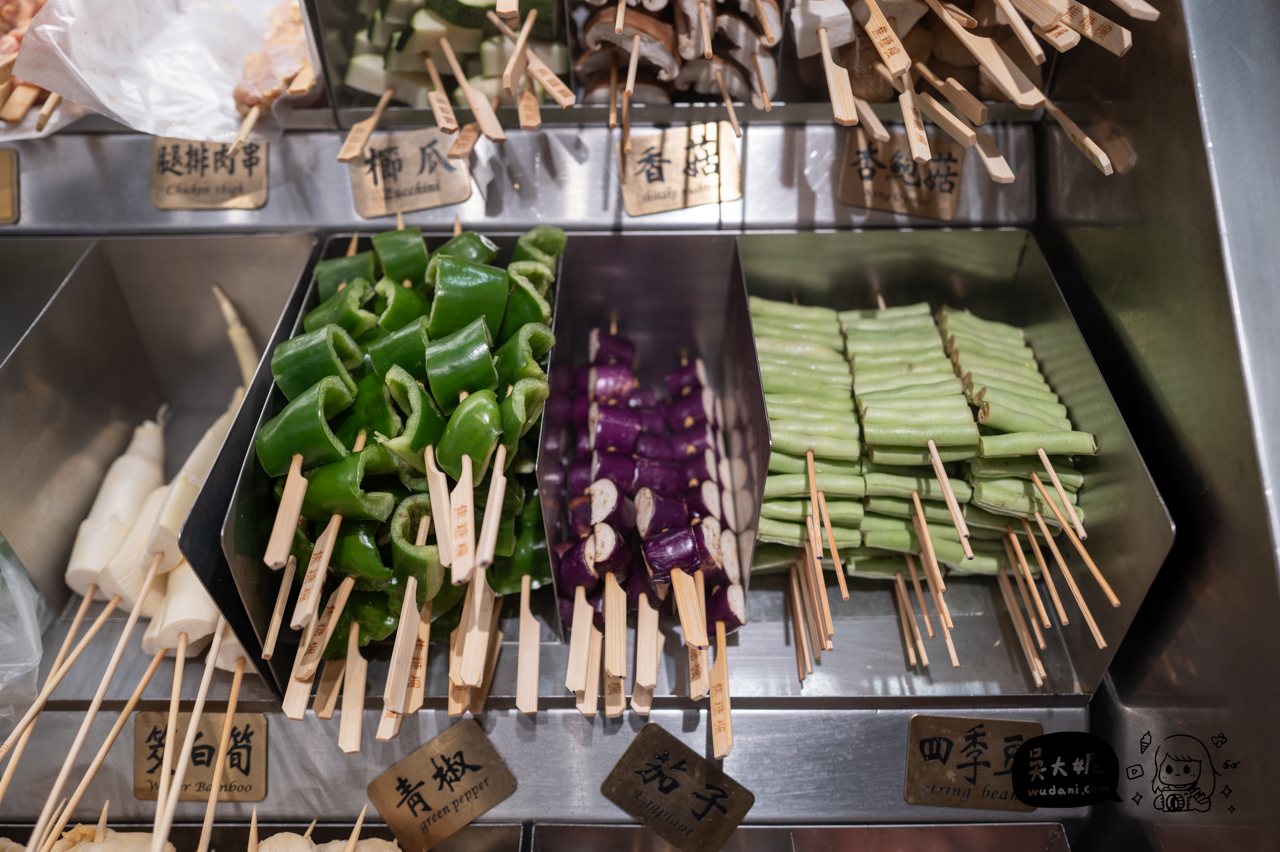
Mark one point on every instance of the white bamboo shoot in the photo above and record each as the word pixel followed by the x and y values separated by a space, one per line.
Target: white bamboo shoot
pixel 127 570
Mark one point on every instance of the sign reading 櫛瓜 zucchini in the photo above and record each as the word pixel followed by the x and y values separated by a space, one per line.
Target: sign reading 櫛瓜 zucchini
pixel 883 175
pixel 401 172
pixel 188 175
pixel 680 167
pixel 960 762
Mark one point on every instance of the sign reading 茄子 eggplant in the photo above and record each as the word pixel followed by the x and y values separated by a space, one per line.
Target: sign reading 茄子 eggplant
pixel 883 175
pixel 680 167
pixel 402 172
pixel 188 175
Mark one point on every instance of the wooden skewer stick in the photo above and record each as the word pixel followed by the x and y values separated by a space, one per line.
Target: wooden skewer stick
pixel 843 103
pixel 50 837
pixel 1071 583
pixel 1022 31
pixel 962 17
pixel 954 127
pixel 6 67
pixel 508 8
pixel 360 132
pixel 286 523
pixel 530 651
pixel 1062 494
pixel 1140 9
pixel 57 674
pixel 528 110
pixel 457 225
pixel 613 91
pixel 480 694
pixel 399 220
pixel 769 37
pixel 813 497
pixel 310 828
pixel 538 70
pixel 728 104
pixel 1098 29
pixel 1018 564
pixel 171 725
pixel 388 726
pixel 58 660
pixel 579 650
pixel 642 696
pixel 1079 546
pixel 298 692
pixel 493 508
pixel 992 160
pixel 330 687
pixel 393 695
pixel 459 696
pixel 903 618
pixel 615 628
pixel 917 139
pixel 21 98
pixel 1043 13
pixel 870 121
pixel 620 20
pixel 820 583
pixel 647 642
pixel 905 597
pixel 704 25
pixel 1026 598
pixel 462 522
pixel 589 699
pixel 246 127
pixel 353 686
pixel 1019 626
pixel 519 55
pixel 438 100
pixel 302 82
pixel 959 97
pixel 277 614
pixel 100 833
pixel 438 487
pixel 949 494
pixel 206 832
pixel 1003 72
pixel 253 831
pixel 804 658
pixel 355 831
pixel 626 123
pixel 480 109
pixel 633 62
pixel 418 669
pixel 812 618
pixel 721 718
pixel 184 757
pixel 1044 570
pixel 885 39
pixel 74 801
pixel 46 112
pixel 699 671
pixel 693 622
pixel 930 562
pixel 764 90
pixel 915 581
pixel 1060 36
pixel 324 627
pixel 835 552
pixel 43 822
pixel 354 245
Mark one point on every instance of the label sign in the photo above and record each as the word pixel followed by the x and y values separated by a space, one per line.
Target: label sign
pixel 188 175
pixel 401 172
pixel 883 176
pixel 9 209
pixel 958 762
pixel 676 793
pixel 1068 769
pixel 680 167
pixel 244 771
pixel 442 787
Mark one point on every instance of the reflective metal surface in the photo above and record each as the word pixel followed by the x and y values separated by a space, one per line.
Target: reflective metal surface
pixel 30 273
pixel 1001 275
pixel 133 326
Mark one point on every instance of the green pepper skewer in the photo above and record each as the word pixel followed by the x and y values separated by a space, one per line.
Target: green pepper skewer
pixel 403 255
pixel 300 362
pixel 524 304
pixel 468 245
pixel 425 425
pixel 543 243
pixel 403 305
pixel 371 412
pixel 345 308
pixel 459 362
pixel 465 291
pixel 405 347
pixel 333 273
pixel 521 409
pixel 302 428
pixel 518 358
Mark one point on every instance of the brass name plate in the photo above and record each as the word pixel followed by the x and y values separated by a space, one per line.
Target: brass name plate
pixel 9 209
pixel 442 787
pixel 883 176
pixel 680 167
pixel 676 793
pixel 188 175
pixel 244 771
pixel 959 762
pixel 401 172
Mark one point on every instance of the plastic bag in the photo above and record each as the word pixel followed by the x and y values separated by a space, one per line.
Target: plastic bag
pixel 23 618
pixel 164 67
pixel 66 113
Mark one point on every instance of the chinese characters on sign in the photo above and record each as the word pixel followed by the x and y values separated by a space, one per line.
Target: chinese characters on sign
pixel 883 175
pixel 441 787
pixel 957 762
pixel 1070 769
pixel 401 172
pixel 676 793
pixel 680 167
pixel 188 175
pixel 244 774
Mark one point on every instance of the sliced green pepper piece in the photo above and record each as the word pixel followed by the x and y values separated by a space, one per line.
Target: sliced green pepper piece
pixel 371 412
pixel 301 552
pixel 473 430
pixel 520 410
pixel 406 347
pixel 403 305
pixel 529 555
pixel 424 426
pixel 506 541
pixel 524 305
pixel 518 358
pixel 461 362
pixel 300 362
pixel 332 273
pixel 355 553
pixel 403 256
pixel 373 612
pixel 303 427
pixel 469 246
pixel 543 243
pixel 409 559
pixel 537 274
pixel 415 484
pixel 465 291
pixel 513 496
pixel 344 308
pixel 445 612
pixel 337 489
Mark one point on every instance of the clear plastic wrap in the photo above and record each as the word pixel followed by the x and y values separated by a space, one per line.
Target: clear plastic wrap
pixel 163 67
pixel 23 618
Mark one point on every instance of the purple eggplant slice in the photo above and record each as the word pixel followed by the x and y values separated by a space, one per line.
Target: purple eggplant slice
pixel 641 583
pixel 691 377
pixel 582 442
pixel 619 469
pixel 673 550
pixel 729 605
pixel 580 516
pixel 653 421
pixel 699 468
pixel 653 447
pixel 608 552
pixel 575 572
pixel 580 406
pixel 688 411
pixel 580 377
pixel 642 398
pixel 703 501
pixel 706 533
pixel 686 442
pixel 658 475
pixel 579 476
pixel 610 506
pixel 657 512
pixel 729 556
pixel 610 384
pixel 605 348
pixel 613 428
